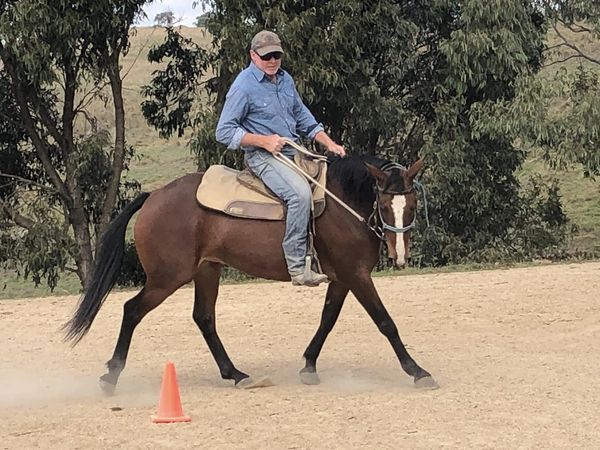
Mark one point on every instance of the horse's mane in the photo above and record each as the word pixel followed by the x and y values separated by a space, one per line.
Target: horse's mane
pixel 353 177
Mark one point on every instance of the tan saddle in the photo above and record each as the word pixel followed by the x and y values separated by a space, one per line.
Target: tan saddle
pixel 242 194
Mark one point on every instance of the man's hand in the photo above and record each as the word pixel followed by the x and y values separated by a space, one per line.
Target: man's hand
pixel 273 143
pixel 336 149
pixel 323 139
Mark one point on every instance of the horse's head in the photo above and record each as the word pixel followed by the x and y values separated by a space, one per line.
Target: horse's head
pixel 397 205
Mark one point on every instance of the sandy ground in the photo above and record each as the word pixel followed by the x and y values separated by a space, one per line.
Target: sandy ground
pixel 515 352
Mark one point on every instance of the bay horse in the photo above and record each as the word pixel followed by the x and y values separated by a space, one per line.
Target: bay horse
pixel 178 241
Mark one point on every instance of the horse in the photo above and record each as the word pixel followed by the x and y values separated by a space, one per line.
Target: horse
pixel 178 241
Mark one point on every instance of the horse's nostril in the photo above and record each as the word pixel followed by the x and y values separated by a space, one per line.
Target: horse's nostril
pixel 408 260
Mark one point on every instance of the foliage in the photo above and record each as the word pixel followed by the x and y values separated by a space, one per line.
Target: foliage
pixel 60 189
pixel 165 19
pixel 385 77
pixel 538 230
pixel 202 19
pixel 131 272
pixel 560 111
pixel 43 251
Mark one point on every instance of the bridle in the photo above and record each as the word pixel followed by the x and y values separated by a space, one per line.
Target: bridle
pixel 376 222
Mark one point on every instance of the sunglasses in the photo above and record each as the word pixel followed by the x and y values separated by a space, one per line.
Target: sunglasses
pixel 269 56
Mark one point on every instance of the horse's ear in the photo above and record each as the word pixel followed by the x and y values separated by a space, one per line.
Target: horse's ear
pixel 413 170
pixel 379 175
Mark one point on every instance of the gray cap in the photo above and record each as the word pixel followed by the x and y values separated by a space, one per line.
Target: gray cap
pixel 265 42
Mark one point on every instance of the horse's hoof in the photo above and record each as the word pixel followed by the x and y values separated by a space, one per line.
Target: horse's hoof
pixel 108 389
pixel 309 378
pixel 250 383
pixel 426 383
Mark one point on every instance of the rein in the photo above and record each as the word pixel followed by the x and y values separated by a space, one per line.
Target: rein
pixel 376 215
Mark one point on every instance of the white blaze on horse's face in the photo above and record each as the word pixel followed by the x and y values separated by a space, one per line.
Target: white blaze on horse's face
pixel 398 205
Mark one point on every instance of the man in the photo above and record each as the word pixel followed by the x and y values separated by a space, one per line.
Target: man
pixel 262 108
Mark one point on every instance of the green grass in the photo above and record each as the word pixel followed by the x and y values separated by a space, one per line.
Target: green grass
pixel 158 164
pixel 581 203
pixel 13 287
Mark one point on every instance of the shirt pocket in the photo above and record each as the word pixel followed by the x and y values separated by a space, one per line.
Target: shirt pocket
pixel 287 97
pixel 264 108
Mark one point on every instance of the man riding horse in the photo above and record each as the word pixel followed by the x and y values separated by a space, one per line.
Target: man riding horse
pixel 179 240
pixel 261 109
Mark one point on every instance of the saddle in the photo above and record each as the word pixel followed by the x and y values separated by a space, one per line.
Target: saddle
pixel 242 194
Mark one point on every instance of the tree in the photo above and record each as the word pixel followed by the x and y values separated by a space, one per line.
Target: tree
pixel 392 78
pixel 165 19
pixel 202 19
pixel 578 17
pixel 570 133
pixel 60 188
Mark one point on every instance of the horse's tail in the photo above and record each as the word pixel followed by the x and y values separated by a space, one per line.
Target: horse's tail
pixel 108 263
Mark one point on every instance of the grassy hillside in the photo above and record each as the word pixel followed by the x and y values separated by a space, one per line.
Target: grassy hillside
pixel 160 161
pixel 581 196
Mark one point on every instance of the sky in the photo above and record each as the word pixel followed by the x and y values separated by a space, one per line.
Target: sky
pixel 181 8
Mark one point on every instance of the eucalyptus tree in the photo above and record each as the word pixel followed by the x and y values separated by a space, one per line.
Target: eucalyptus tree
pixel 557 110
pixel 60 187
pixel 399 79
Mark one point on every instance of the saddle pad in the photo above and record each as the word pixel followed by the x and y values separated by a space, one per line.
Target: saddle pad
pixel 220 190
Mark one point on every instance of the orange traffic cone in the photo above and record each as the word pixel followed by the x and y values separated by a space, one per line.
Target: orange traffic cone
pixel 169 404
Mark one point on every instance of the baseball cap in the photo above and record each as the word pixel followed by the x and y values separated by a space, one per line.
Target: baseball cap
pixel 265 42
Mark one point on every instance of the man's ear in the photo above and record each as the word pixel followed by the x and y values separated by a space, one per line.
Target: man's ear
pixel 379 175
pixel 413 170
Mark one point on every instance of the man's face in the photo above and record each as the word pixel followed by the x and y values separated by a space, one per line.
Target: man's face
pixel 269 63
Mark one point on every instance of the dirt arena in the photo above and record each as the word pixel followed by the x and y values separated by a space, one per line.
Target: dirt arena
pixel 516 353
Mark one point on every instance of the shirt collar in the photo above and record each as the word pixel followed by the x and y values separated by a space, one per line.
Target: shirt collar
pixel 259 74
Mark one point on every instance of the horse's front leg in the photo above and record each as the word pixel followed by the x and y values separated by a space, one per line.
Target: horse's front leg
pixel 334 299
pixel 364 290
pixel 205 297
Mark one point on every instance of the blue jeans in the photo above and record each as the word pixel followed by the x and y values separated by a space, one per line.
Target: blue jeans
pixel 294 190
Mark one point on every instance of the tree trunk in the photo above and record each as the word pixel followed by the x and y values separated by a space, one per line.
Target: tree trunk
pixel 77 216
pixel 112 189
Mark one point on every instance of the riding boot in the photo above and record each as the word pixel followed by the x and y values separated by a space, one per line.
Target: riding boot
pixel 308 277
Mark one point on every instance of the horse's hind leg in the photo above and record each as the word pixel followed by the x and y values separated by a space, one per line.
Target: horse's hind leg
pixel 334 300
pixel 205 297
pixel 134 311
pixel 364 290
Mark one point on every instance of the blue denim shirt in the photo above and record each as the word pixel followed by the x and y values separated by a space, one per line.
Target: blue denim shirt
pixel 257 105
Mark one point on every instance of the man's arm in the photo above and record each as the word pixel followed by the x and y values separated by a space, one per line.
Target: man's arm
pixel 229 129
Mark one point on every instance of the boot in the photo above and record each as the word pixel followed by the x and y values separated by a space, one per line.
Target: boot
pixel 309 278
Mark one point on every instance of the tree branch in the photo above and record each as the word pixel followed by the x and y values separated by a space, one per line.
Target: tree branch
pixel 142 48
pixel 112 189
pixel 579 29
pixel 40 146
pixel 16 217
pixel 90 95
pixel 571 26
pixel 30 182
pixel 577 50
pixel 44 114
pixel 560 61
pixel 555 46
pixel 89 118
